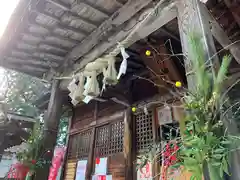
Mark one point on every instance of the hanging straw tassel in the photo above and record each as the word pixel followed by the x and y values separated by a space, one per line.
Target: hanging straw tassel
pixel 92 86
pixel 110 76
pixel 78 95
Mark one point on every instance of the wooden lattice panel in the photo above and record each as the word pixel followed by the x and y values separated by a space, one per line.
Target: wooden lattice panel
pixel 144 130
pixel 109 139
pixel 116 140
pixel 79 145
pixel 102 142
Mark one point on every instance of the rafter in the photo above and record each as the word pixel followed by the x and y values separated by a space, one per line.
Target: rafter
pixel 122 15
pixel 52 52
pixel 25 55
pixel 41 54
pixel 92 6
pixel 50 44
pixel 26 67
pixel 67 8
pixel 31 62
pixel 32 22
pixel 60 25
pixel 60 4
pixel 84 20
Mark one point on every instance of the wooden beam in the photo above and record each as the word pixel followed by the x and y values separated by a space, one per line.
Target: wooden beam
pixel 128 144
pixel 166 14
pixel 51 123
pixel 222 36
pixel 90 162
pixel 118 18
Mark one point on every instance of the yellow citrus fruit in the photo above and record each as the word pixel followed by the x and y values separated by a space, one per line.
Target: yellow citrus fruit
pixel 178 84
pixel 148 53
pixel 134 109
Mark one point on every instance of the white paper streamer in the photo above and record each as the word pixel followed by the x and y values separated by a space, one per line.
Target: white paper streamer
pixel 123 67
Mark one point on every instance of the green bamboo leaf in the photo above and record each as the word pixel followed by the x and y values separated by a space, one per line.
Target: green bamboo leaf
pixel 226 142
pixel 225 166
pixel 220 150
pixel 221 171
pixel 216 164
pixel 193 177
pixel 217 156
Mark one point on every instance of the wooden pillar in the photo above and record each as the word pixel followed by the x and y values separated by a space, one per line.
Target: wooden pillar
pixel 51 123
pixel 128 144
pixel 191 20
pixel 90 162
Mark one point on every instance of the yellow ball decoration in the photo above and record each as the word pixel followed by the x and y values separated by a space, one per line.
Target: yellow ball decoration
pixel 178 84
pixel 134 109
pixel 148 53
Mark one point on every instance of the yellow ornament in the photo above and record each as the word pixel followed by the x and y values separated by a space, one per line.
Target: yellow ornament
pixel 148 53
pixel 178 84
pixel 134 109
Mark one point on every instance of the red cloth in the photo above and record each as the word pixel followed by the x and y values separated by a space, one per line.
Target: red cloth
pixel 18 171
pixel 56 163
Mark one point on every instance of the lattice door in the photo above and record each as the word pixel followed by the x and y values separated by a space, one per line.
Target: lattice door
pixel 109 139
pixel 79 145
pixel 144 130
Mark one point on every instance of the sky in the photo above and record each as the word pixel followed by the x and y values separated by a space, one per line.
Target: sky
pixel 6 9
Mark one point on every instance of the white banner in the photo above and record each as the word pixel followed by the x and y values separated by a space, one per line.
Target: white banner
pixel 81 170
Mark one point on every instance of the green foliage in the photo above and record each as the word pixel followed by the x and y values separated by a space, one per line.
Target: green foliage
pixel 207 144
pixel 22 91
pixel 34 147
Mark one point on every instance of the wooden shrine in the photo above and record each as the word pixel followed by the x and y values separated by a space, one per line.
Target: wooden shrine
pixel 56 40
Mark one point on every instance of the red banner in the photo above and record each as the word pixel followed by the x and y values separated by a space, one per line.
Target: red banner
pixel 56 162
